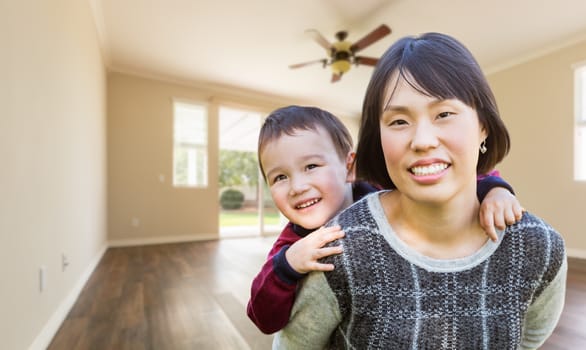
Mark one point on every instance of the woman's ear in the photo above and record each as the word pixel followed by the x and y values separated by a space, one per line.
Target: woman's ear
pixel 483 133
pixel 351 176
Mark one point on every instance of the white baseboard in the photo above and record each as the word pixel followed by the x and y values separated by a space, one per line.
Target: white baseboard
pixel 161 240
pixel 46 335
pixel 576 253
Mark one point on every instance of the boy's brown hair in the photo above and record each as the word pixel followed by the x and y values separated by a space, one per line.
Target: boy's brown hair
pixel 287 120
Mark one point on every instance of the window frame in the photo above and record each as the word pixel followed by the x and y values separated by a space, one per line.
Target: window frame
pixel 197 147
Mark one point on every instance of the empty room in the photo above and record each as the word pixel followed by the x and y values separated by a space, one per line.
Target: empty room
pixel 134 213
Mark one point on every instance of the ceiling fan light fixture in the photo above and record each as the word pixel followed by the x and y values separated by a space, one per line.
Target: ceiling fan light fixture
pixel 342 53
pixel 341 66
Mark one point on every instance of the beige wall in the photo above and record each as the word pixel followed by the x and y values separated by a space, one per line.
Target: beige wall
pixel 140 149
pixel 53 162
pixel 140 122
pixel 536 100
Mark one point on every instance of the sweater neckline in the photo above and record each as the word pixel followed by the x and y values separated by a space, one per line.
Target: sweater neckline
pixel 424 261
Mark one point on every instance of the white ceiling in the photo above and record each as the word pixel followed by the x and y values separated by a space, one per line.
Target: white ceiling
pixel 249 44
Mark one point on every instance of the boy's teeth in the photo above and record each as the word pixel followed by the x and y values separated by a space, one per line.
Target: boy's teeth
pixel 428 169
pixel 307 204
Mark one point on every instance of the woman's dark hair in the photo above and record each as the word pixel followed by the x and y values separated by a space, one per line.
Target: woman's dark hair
pixel 289 119
pixel 436 65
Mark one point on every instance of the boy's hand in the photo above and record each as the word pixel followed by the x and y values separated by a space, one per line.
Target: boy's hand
pixel 499 208
pixel 303 254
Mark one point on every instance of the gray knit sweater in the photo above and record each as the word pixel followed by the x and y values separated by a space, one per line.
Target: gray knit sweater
pixel 384 295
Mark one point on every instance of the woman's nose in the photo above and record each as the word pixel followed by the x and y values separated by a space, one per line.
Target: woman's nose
pixel 424 137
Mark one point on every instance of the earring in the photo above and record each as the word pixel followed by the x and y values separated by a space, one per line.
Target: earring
pixel 483 147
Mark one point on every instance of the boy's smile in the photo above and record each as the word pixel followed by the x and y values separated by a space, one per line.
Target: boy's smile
pixel 308 203
pixel 309 182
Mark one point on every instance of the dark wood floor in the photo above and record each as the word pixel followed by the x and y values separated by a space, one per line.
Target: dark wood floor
pixel 193 296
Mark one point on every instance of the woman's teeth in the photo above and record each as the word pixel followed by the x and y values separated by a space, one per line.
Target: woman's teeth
pixel 428 169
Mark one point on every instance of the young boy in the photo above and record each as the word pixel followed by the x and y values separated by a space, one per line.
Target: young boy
pixel 306 156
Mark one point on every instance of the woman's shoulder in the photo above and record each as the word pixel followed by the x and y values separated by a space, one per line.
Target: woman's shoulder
pixel 535 237
pixel 364 208
pixel 536 228
pixel 539 245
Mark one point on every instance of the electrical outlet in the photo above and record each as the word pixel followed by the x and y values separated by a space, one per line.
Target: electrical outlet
pixel 135 222
pixel 42 278
pixel 64 262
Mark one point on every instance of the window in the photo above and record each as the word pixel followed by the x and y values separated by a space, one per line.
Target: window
pixel 580 124
pixel 190 145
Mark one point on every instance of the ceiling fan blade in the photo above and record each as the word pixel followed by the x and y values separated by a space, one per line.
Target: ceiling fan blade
pixel 365 61
pixel 370 38
pixel 303 64
pixel 323 42
pixel 336 77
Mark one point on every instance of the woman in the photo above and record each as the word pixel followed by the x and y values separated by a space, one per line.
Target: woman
pixel 417 271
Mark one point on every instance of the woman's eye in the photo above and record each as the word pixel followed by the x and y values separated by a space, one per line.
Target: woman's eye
pixel 398 122
pixel 311 166
pixel 444 114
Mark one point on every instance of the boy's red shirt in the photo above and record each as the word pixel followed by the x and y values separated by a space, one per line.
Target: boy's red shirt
pixel 271 298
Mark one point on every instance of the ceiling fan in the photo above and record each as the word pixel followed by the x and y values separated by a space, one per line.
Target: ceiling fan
pixel 342 53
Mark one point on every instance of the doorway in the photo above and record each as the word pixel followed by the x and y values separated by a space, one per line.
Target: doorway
pixel 246 207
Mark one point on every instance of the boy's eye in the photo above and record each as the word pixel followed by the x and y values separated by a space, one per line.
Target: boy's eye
pixel 279 178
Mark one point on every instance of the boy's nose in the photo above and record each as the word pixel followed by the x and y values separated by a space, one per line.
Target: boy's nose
pixel 298 185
